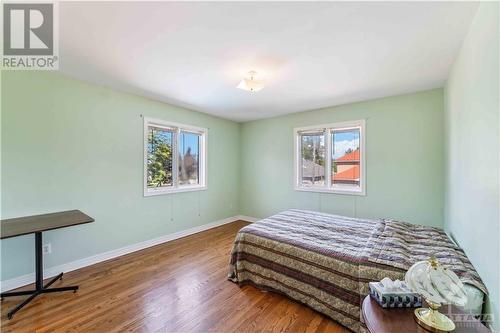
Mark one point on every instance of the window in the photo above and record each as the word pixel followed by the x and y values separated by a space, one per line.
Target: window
pixel 330 158
pixel 174 157
pixel 312 147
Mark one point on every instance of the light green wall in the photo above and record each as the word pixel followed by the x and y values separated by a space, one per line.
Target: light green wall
pixel 472 149
pixel 67 144
pixel 404 161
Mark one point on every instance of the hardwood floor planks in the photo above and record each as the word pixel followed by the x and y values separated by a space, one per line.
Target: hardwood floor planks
pixel 180 286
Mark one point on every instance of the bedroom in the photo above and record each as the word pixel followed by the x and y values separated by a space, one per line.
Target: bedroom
pixel 171 126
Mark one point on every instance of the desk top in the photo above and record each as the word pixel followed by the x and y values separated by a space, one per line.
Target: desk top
pixel 380 320
pixel 30 224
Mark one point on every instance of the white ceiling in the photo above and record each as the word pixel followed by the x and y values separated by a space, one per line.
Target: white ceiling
pixel 312 55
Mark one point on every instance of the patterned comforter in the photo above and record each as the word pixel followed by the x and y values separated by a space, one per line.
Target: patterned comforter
pixel 326 261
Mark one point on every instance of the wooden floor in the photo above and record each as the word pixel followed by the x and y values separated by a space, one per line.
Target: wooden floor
pixel 180 286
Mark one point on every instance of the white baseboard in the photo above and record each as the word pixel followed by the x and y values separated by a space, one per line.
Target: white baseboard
pixel 84 262
pixel 247 218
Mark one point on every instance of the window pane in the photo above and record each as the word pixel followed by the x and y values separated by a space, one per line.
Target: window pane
pixel 159 157
pixel 313 159
pixel 189 164
pixel 346 156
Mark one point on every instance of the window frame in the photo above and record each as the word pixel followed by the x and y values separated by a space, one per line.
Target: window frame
pixel 328 130
pixel 176 128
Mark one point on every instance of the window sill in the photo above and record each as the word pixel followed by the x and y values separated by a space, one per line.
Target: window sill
pixel 174 190
pixel 332 191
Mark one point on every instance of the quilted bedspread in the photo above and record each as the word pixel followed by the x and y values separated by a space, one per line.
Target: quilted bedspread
pixel 326 261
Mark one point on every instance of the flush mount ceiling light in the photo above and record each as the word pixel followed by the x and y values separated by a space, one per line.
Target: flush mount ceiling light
pixel 250 83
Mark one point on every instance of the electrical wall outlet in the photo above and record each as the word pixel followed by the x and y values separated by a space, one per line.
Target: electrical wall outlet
pixel 46 248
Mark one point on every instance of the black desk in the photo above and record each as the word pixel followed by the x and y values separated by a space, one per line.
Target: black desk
pixel 36 225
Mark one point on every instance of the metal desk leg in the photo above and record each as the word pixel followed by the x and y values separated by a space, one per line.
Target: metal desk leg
pixel 39 287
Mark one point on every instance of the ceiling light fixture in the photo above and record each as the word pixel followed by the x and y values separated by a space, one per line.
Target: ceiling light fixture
pixel 250 83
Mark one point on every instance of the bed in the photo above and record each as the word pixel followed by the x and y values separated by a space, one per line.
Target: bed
pixel 326 261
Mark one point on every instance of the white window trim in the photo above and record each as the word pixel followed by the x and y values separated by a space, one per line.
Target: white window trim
pixel 328 147
pixel 202 153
